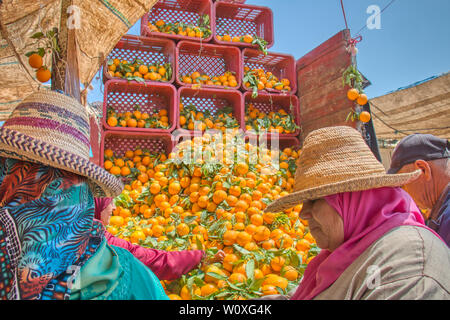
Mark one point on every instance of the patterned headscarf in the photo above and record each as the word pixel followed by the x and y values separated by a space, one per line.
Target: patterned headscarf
pixel 46 230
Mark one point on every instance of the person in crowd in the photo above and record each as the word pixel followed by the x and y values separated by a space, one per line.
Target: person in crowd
pixel 430 191
pixel 373 240
pixel 166 265
pixel 50 245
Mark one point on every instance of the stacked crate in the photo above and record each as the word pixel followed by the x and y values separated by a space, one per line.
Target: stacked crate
pixel 186 54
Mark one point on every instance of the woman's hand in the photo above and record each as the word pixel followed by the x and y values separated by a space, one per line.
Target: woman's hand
pixel 218 257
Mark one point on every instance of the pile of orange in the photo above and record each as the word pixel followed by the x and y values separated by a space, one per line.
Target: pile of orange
pixel 202 30
pixel 248 38
pixel 258 79
pixel 216 202
pixel 137 119
pixel 228 79
pixel 138 70
pixel 258 121
pixel 193 119
pixel 135 164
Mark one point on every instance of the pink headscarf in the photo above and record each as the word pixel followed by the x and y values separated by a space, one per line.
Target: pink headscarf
pixel 100 205
pixel 367 216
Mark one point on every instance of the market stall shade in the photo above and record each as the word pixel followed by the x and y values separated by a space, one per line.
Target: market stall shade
pixel 98 25
pixel 423 107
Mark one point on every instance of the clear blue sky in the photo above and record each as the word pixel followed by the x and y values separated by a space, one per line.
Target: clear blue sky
pixel 412 44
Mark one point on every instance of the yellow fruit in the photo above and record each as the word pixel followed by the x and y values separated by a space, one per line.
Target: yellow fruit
pixel 137 236
pixel 116 221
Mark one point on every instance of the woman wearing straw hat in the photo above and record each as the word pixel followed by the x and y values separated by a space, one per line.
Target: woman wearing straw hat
pixel 50 245
pixel 374 244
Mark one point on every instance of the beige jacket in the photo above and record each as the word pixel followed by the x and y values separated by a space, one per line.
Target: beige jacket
pixel 407 263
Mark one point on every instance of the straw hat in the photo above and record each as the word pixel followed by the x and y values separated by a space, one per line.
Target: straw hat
pixel 53 129
pixel 336 160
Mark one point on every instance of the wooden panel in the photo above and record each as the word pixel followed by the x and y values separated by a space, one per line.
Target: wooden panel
pixel 323 98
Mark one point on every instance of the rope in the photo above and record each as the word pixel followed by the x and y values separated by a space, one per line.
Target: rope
pixel 343 12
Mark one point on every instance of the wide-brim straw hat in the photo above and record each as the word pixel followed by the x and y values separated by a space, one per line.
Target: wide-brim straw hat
pixel 53 129
pixel 335 160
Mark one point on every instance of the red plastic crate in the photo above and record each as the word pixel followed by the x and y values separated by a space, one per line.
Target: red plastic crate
pixel 240 19
pixel 148 50
pixel 281 65
pixel 122 96
pixel 212 100
pixel 269 102
pixel 212 59
pixel 119 142
pixel 230 1
pixel 172 11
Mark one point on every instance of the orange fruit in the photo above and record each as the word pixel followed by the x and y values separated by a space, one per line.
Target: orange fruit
pixel 157 230
pixel 208 289
pixel 290 273
pixel 155 188
pixel 243 238
pixel 352 94
pixel 277 263
pixel 276 280
pixel 269 217
pixel 262 233
pixel 229 237
pixel 109 153
pixel 108 165
pixel 364 116
pixel 116 221
pixel 250 229
pixel 251 246
pixel 115 170
pixel 284 241
pixel 257 219
pixel 132 123
pixel 174 297
pixel 362 100
pixel 143 177
pixel 237 278
pixel 43 74
pixel 213 269
pixel 185 293
pixel 182 229
pixel 235 191
pixel 248 38
pixel 137 236
pixel 268 244
pixel 143 69
pixel 269 290
pixel 35 61
pixel 229 260
pixel 219 196
pixel 174 188
pixel 303 245
pixel 125 171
